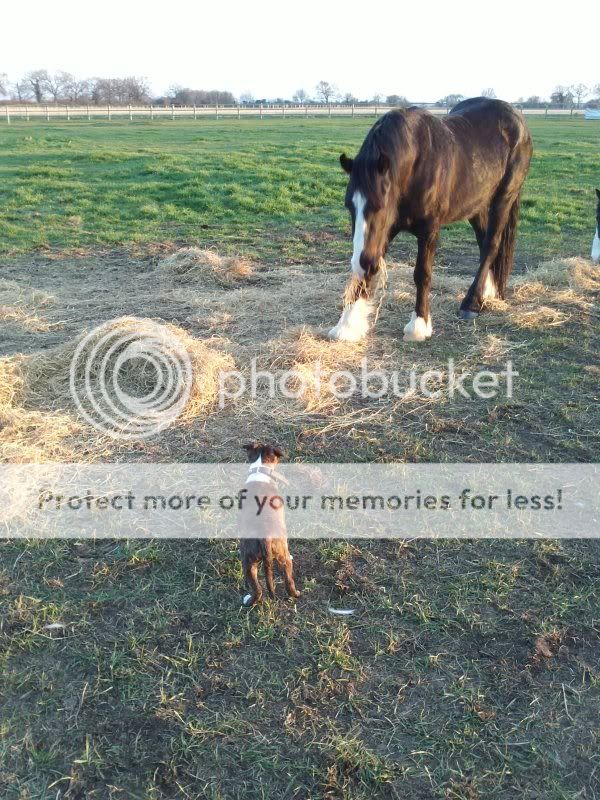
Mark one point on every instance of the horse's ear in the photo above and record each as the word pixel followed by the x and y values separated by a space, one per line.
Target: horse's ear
pixel 347 163
pixel 598 193
pixel 383 163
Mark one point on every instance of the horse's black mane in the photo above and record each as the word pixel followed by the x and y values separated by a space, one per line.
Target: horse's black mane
pixel 386 139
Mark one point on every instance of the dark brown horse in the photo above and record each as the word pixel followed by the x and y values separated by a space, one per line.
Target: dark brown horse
pixel 416 172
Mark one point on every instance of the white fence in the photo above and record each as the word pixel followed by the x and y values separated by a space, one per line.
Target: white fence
pixel 93 112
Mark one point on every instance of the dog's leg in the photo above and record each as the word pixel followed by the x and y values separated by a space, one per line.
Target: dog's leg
pixel 268 562
pixel 288 574
pixel 251 575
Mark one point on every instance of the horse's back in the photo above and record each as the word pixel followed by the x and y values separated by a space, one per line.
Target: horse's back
pixel 485 113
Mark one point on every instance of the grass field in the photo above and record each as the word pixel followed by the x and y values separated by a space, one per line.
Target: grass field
pixel 471 669
pixel 71 185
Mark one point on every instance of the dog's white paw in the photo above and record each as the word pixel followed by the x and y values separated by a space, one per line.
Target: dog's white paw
pixel 354 322
pixel 417 329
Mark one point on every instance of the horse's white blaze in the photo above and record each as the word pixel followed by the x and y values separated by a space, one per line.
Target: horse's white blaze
pixel 354 322
pixel 417 329
pixel 596 247
pixel 360 230
pixel 489 290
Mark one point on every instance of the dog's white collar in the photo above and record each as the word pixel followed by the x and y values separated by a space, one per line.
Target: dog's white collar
pixel 258 472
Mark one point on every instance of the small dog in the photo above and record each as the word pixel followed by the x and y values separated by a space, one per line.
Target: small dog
pixel 270 544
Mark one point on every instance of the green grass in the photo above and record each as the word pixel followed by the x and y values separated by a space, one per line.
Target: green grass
pixel 481 683
pixel 271 187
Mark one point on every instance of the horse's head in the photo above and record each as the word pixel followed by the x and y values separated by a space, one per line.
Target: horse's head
pixel 372 209
pixel 596 242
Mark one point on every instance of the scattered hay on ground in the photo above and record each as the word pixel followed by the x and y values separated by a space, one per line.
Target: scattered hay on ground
pixel 541 317
pixel 305 369
pixel 11 382
pixel 193 265
pixel 22 306
pixel 33 437
pixel 574 273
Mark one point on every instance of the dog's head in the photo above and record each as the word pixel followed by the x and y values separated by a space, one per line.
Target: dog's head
pixel 269 454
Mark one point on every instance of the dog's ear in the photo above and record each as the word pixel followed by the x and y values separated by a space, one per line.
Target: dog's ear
pixel 347 163
pixel 278 452
pixel 250 447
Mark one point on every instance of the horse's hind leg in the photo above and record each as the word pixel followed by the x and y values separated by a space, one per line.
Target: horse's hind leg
pixel 479 224
pixel 498 243
pixel 419 327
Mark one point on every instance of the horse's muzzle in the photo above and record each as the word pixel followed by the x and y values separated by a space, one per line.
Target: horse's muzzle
pixel 369 264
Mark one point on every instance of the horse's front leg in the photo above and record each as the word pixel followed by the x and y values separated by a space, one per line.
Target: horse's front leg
pixel 358 307
pixel 419 327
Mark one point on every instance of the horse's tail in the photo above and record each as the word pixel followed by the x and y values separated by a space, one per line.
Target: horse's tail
pixel 503 262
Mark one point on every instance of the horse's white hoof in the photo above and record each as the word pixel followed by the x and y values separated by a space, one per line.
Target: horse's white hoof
pixel 417 330
pixel 354 322
pixel 344 333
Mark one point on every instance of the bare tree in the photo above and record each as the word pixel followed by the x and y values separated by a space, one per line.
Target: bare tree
pixel 450 100
pixel 326 91
pixel 56 85
pixel 21 91
pixel 76 91
pixel 396 100
pixel 533 101
pixel 120 90
pixel 490 93
pixel 247 97
pixel 349 98
pixel 300 96
pixel 37 80
pixel 179 95
pixel 3 84
pixel 580 90
pixel 562 97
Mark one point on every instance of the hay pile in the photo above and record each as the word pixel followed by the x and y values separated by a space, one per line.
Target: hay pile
pixel 192 265
pixel 47 373
pixel 39 416
pixel 28 436
pixel 576 273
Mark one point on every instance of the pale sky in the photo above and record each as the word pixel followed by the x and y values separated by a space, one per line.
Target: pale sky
pixel 423 50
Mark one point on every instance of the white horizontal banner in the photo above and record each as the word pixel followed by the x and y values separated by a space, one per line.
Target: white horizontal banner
pixel 318 500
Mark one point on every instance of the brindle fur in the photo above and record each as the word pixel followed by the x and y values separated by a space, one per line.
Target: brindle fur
pixel 270 545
